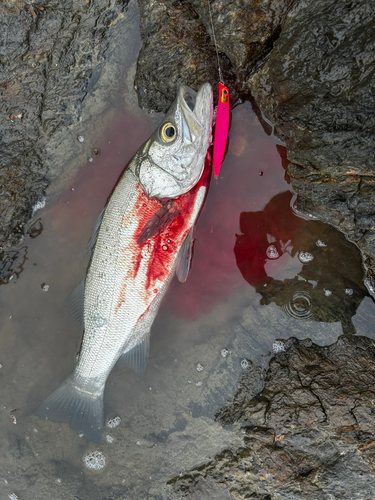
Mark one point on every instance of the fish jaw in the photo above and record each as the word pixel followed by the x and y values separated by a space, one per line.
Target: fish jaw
pixel 169 170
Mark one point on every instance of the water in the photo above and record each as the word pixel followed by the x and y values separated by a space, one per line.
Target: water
pixel 260 275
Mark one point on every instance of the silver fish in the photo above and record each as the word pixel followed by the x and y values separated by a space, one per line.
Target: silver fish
pixel 142 237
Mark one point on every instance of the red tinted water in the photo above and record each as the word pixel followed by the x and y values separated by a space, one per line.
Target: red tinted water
pixel 251 175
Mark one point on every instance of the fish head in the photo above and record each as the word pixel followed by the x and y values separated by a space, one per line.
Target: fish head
pixel 172 160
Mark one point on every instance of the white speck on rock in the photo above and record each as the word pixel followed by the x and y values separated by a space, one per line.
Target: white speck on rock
pixel 200 367
pixel 113 422
pixel 94 460
pixel 327 293
pixel 278 346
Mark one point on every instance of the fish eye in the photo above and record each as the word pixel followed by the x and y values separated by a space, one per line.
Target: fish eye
pixel 168 132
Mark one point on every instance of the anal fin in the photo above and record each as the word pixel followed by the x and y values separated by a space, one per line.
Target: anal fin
pixel 136 358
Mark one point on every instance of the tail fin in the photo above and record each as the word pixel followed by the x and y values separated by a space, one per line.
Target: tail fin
pixel 82 410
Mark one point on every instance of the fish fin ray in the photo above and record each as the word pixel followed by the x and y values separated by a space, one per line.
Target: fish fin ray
pixel 74 302
pixel 159 221
pixel 184 257
pixel 95 231
pixel 82 411
pixel 136 358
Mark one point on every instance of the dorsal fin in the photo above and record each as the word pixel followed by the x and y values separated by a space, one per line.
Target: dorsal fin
pixel 95 231
pixel 184 257
pixel 74 302
pixel 163 217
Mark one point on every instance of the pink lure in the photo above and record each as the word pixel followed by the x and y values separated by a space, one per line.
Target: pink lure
pixel 221 128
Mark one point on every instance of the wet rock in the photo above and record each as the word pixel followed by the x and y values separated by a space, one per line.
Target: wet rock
pixel 178 45
pixel 317 87
pixel 307 434
pixel 51 54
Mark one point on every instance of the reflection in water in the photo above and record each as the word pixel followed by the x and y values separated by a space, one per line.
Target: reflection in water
pixel 322 278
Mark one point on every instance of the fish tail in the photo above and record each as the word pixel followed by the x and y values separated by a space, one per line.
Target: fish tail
pixel 81 409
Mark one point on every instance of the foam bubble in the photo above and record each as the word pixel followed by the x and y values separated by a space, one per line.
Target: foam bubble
pixel 13 496
pixel 305 257
pixel 94 460
pixel 113 422
pixel 327 293
pixel 245 364
pixel 200 367
pixel 320 243
pixel 38 205
pixel 224 353
pixel 278 346
pixel 109 439
pixel 348 291
pixel 272 252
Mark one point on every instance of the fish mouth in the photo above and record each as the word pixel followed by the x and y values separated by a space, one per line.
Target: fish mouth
pixel 197 110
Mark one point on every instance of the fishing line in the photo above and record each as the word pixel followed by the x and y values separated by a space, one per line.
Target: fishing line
pixel 217 52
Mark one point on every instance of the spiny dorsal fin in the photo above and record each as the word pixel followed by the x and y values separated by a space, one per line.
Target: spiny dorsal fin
pixel 163 217
pixel 184 257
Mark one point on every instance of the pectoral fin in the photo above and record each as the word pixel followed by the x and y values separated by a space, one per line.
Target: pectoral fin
pixel 184 257
pixel 158 222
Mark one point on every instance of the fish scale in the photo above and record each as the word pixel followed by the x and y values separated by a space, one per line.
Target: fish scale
pixel 143 237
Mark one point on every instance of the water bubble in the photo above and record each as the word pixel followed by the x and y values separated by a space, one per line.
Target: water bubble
pixel 155 290
pixel 261 173
pixel 348 291
pixel 90 159
pixel 113 422
pixel 300 306
pixel 72 189
pixel 96 152
pixel 13 496
pixel 198 384
pixel 224 353
pixel 109 439
pixel 245 363
pixel 80 138
pixel 320 243
pixel 327 293
pixel 189 381
pixel 94 460
pixel 272 252
pixel 278 346
pixel 44 287
pixel 138 443
pixel 200 367
pixel 305 257
pixel 164 247
pixel 58 480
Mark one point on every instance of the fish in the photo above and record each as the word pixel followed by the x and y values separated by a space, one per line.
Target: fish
pixel 142 238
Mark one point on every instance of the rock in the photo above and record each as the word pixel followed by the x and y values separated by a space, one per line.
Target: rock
pixel 178 45
pixel 317 87
pixel 308 434
pixel 50 56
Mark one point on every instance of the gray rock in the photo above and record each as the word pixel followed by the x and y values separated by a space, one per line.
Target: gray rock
pixel 308 434
pixel 317 87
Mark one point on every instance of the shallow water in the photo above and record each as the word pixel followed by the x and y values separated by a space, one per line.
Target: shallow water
pixel 260 275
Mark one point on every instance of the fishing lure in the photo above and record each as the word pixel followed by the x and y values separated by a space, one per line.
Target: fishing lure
pixel 221 128
pixel 223 112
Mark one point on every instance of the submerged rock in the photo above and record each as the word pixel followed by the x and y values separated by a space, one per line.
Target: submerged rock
pixel 50 56
pixel 307 434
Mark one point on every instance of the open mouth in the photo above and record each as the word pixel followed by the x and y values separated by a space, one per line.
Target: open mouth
pixel 190 100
